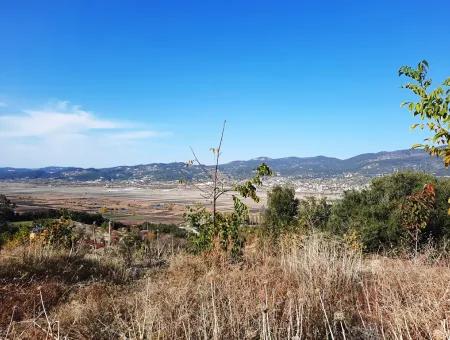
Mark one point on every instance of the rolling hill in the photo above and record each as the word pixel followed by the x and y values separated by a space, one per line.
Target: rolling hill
pixel 369 164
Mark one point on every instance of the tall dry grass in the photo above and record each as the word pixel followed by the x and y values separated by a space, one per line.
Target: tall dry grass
pixel 313 288
pixel 307 288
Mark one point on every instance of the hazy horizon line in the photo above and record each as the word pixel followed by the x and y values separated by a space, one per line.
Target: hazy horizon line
pixel 237 160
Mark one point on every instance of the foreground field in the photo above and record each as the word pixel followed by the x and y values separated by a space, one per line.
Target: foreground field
pixel 306 287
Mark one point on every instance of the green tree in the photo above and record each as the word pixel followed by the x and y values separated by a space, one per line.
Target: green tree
pixel 375 214
pixel 282 209
pixel 432 108
pixel 313 213
pixel 416 212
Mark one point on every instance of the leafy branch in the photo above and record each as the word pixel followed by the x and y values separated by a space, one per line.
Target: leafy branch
pixel 432 108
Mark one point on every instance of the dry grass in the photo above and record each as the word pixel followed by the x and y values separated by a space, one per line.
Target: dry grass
pixel 35 263
pixel 310 288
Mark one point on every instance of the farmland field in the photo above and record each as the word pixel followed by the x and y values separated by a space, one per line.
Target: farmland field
pixel 162 203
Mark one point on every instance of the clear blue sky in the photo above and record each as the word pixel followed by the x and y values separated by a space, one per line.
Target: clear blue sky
pixel 100 83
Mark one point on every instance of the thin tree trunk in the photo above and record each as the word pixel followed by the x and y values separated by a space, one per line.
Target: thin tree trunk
pixel 216 173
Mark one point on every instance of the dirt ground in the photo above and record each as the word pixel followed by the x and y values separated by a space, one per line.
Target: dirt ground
pixel 155 204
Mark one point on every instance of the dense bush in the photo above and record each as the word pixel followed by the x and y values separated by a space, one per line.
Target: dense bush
pixel 228 229
pixel 82 216
pixel 16 234
pixel 313 213
pixel 16 227
pixel 374 214
pixel 78 216
pixel 282 209
pixel 6 209
pixel 172 229
pixel 376 218
pixel 6 214
pixel 37 215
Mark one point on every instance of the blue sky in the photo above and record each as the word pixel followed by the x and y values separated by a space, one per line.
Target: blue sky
pixel 101 83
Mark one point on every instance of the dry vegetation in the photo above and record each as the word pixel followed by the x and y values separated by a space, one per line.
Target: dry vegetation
pixel 306 287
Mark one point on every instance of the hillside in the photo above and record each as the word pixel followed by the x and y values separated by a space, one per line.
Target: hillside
pixel 369 164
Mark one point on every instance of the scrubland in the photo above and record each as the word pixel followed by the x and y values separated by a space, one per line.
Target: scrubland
pixel 303 287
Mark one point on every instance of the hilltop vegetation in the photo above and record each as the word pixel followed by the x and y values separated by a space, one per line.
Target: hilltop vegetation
pixel 314 270
pixel 375 219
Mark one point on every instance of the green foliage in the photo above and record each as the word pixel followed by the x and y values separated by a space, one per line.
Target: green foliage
pixel 313 213
pixel 227 230
pixel 206 226
pixel 417 208
pixel 377 214
pixel 432 107
pixel 82 216
pixel 4 237
pixel 128 246
pixel 6 214
pixel 282 209
pixel 78 216
pixel 199 222
pixel 231 238
pixel 38 215
pixel 15 232
pixel 20 233
pixel 163 228
pixel 248 188
pixel 53 231
pixel 416 211
pixel 58 233
pixel 6 209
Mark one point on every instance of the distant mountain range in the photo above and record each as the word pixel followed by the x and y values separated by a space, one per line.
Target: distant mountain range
pixel 368 165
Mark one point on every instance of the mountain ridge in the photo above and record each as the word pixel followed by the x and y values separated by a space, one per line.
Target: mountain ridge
pixel 367 164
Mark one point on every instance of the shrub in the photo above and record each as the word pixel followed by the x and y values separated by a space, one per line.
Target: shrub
pixel 6 209
pixel 313 213
pixel 17 234
pixel 82 216
pixel 375 213
pixel 281 211
pixel 6 214
pixel 55 233
pixel 227 229
pixel 416 211
pixel 38 215
pixel 78 216
pixel 199 222
pixel 163 228
pixel 128 246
